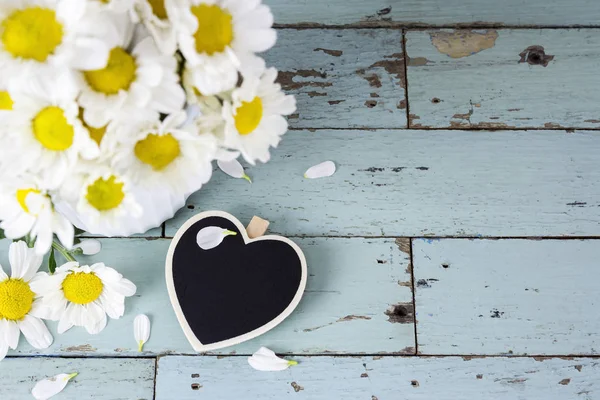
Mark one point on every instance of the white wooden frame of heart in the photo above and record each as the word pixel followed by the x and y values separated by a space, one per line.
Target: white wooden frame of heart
pixel 196 344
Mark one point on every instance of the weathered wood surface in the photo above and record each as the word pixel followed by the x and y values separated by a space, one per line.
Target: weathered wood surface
pixel 436 12
pixel 343 78
pixel 412 183
pixel 504 78
pixel 388 378
pixel 351 285
pixel 507 296
pixel 114 379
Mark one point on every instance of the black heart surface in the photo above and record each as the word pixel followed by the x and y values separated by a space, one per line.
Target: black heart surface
pixel 236 291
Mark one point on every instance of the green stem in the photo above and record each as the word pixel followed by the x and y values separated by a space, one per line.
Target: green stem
pixel 62 250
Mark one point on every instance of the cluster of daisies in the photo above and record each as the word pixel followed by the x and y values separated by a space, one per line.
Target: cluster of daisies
pixel 113 111
pixel 74 295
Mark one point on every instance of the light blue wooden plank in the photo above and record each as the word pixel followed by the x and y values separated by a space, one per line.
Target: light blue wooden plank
pixel 356 75
pixel 507 296
pixel 493 89
pixel 436 12
pixel 388 378
pixel 411 183
pixel 114 379
pixel 351 285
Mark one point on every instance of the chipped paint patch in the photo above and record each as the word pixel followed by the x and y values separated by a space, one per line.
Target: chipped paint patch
pixel 535 55
pixel 565 381
pixel 401 313
pixel 316 94
pixel 297 387
pixel 287 81
pixel 417 61
pixel 352 318
pixel 84 348
pixel 403 243
pixel 463 43
pixel 333 53
pixel 334 102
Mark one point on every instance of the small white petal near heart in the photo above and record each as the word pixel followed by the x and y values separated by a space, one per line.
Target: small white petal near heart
pixel 212 236
pixel 141 330
pixel 234 169
pixel 49 387
pixel 89 247
pixel 322 170
pixel 266 360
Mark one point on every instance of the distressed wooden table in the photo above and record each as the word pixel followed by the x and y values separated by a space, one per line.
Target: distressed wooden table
pixel 454 255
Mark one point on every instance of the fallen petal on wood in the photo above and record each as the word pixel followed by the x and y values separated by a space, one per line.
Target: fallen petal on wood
pixel 322 170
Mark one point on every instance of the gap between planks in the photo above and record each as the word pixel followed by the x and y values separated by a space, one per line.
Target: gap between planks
pixel 151 238
pixel 424 27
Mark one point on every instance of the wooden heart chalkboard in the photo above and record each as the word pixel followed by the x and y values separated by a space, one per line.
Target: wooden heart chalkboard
pixel 236 291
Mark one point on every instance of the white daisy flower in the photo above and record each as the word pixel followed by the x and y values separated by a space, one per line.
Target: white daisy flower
pixel 162 155
pixel 39 35
pixel 44 134
pixel 83 295
pixel 26 208
pixel 254 120
pixel 220 37
pixel 138 77
pixel 20 305
pixel 102 198
pixel 155 17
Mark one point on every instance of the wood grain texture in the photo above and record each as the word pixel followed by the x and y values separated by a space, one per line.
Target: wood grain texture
pixel 112 379
pixel 435 12
pixel 507 296
pixel 351 285
pixel 388 378
pixel 411 183
pixel 515 79
pixel 342 78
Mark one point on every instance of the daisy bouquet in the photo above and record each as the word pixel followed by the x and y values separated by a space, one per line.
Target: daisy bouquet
pixel 112 113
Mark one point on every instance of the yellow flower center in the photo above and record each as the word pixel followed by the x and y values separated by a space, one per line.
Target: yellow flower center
pixel 248 116
pixel 105 194
pixel 16 299
pixel 22 196
pixel 118 74
pixel 158 8
pixel 6 102
pixel 95 133
pixel 52 130
pixel 82 287
pixel 215 29
pixel 32 33
pixel 157 151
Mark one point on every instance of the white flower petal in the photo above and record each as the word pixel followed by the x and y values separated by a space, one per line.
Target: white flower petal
pixel 3 275
pixel 35 332
pixel 234 169
pixel 49 387
pixel 113 303
pixel 266 360
pixel 11 334
pixel 92 326
pixel 89 247
pixel 124 287
pixel 3 350
pixel 322 170
pixel 141 330
pixel 17 256
pixel 212 236
pixel 70 317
